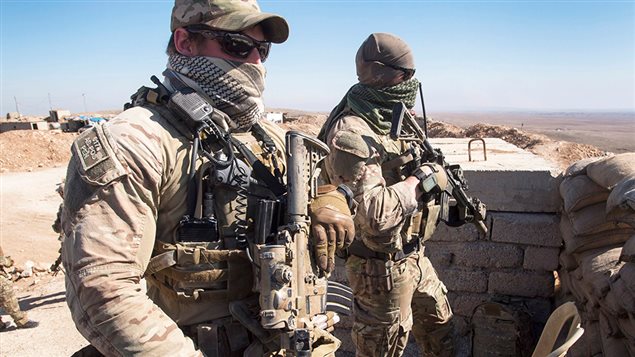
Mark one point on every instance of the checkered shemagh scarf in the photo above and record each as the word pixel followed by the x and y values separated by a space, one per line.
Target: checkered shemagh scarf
pixel 234 88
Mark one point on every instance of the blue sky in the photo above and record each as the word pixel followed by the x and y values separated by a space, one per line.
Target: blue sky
pixel 470 55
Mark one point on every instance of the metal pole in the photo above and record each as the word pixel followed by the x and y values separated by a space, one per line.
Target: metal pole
pixel 50 105
pixel 17 109
pixel 423 107
pixel 84 96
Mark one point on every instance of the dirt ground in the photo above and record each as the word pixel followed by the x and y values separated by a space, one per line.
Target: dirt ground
pixel 32 163
pixel 28 203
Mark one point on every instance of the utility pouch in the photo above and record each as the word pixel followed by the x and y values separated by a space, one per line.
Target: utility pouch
pixel 197 229
pixel 378 276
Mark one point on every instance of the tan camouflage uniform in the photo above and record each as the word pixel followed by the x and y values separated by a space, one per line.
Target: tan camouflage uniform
pixel 392 294
pixel 8 300
pixel 117 210
pixel 418 299
pixel 125 195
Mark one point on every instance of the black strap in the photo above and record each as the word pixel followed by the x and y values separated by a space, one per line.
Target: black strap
pixel 260 171
pixel 260 134
pixel 359 249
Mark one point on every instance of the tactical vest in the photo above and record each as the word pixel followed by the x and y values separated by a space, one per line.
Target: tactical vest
pixel 419 226
pixel 206 261
pixel 423 223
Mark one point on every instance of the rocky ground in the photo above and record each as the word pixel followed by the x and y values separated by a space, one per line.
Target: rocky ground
pixel 32 163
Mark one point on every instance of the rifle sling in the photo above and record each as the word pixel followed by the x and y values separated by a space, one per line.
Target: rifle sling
pixel 398 161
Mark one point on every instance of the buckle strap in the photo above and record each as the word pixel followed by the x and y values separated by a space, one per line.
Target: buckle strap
pixel 359 249
pixel 160 262
pixel 201 295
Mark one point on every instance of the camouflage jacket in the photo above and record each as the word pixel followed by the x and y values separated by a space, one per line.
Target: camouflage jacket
pixel 126 189
pixel 385 204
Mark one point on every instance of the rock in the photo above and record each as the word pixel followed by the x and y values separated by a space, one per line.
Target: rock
pixel 28 269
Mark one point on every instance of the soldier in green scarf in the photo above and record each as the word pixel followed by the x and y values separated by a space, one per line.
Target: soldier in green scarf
pixel 396 288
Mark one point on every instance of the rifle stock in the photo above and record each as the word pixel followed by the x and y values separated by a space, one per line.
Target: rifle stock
pixel 405 127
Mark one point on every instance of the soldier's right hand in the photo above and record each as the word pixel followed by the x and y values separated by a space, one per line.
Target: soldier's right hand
pixel 332 226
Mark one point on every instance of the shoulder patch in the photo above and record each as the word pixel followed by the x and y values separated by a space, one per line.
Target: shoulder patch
pixel 98 163
pixel 351 143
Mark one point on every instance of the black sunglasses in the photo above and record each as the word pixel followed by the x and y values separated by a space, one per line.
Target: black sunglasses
pixel 234 43
pixel 407 72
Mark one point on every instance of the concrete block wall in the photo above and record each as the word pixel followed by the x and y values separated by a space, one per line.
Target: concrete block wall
pixel 514 262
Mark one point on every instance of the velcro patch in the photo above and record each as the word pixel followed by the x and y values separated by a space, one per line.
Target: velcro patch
pixel 352 143
pixel 90 149
pixel 98 163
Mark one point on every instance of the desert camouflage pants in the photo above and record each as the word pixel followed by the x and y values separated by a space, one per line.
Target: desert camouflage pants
pixel 9 302
pixel 408 296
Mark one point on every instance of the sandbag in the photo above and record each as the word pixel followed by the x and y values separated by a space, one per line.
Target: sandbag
pixel 574 286
pixel 628 250
pixel 609 171
pixel 627 326
pixel 567 261
pixel 565 283
pixel 627 273
pixel 591 339
pixel 579 167
pixel 580 191
pixel 620 205
pixel 614 346
pixel 598 266
pixel 592 219
pixel 621 299
pixel 612 303
pixel 579 243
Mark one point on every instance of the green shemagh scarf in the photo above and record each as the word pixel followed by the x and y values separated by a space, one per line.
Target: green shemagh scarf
pixel 235 88
pixel 374 105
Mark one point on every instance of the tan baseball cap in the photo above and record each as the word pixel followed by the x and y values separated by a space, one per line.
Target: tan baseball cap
pixel 229 15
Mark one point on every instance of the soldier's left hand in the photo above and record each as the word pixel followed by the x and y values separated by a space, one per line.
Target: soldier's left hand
pixel 332 226
pixel 326 321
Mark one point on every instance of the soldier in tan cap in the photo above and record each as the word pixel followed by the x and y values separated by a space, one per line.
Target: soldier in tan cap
pixel 396 289
pixel 166 192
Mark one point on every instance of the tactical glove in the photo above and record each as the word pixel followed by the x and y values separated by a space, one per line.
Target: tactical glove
pixel 332 226
pixel 325 344
pixel 432 178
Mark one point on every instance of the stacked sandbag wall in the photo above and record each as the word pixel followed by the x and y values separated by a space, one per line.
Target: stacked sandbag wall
pixel 597 262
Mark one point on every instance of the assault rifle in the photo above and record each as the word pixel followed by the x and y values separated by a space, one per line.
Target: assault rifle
pixel 292 289
pixel 466 209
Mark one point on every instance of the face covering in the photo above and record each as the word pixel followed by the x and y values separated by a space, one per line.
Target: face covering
pixel 233 87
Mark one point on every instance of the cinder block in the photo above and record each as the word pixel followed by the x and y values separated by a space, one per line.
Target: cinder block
pixel 539 258
pixel 463 304
pixel 489 255
pixel 475 254
pixel 521 284
pixel 460 280
pixel 526 228
pixel 511 179
pixel 440 253
pixel 464 233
